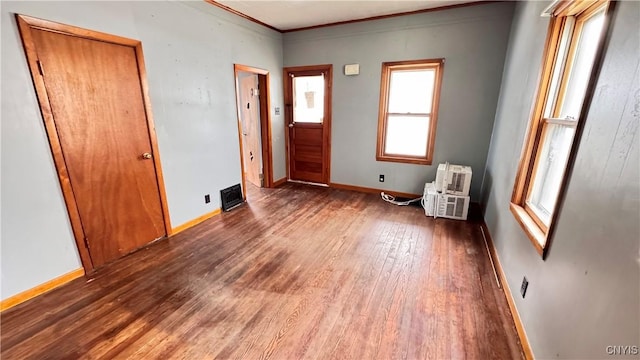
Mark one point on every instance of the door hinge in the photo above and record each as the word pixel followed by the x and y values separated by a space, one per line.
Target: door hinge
pixel 86 242
pixel 40 68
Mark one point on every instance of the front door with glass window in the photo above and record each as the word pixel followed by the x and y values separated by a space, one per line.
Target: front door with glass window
pixel 308 119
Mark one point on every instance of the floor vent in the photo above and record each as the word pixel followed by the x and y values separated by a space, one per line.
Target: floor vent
pixel 231 197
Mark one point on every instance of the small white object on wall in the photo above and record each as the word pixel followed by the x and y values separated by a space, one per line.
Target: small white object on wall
pixel 352 69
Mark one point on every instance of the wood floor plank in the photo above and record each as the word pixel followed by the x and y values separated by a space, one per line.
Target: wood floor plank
pixel 298 272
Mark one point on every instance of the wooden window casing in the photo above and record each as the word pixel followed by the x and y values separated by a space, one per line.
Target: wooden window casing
pixel 388 68
pixel 565 28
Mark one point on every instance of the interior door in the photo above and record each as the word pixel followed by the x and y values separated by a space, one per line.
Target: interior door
pixel 249 103
pixel 96 99
pixel 308 119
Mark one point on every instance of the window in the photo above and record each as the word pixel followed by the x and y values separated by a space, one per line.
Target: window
pixel 308 96
pixel 573 45
pixel 409 94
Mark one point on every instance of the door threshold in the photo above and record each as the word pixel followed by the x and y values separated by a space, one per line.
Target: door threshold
pixel 308 183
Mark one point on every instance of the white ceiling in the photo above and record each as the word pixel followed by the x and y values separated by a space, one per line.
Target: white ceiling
pixel 292 14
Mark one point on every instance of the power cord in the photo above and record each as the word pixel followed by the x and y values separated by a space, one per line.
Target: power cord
pixel 391 199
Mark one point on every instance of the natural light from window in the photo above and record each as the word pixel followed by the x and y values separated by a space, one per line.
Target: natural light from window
pixel 409 96
pixel 409 112
pixel 308 99
pixel 406 135
pixel 411 91
pixel 568 86
pixel 581 69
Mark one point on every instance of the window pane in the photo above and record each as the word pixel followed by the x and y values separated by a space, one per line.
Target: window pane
pixel 550 170
pixel 407 135
pixel 411 91
pixel 308 99
pixel 582 64
pixel 558 67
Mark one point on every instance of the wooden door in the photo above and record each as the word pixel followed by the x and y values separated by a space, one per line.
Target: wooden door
pixel 96 101
pixel 308 119
pixel 249 105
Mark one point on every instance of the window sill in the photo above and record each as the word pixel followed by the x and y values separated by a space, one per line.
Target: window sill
pixel 403 159
pixel 537 236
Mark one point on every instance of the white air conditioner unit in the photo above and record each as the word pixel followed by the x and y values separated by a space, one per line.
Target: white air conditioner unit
pixel 430 199
pixel 452 207
pixel 453 179
pixel 444 205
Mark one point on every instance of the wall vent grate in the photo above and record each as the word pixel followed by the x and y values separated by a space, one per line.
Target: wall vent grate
pixel 231 197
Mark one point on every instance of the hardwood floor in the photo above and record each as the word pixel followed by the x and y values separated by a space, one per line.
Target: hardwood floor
pixel 297 272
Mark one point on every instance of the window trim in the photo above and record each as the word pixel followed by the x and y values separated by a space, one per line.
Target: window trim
pixel 536 230
pixel 383 114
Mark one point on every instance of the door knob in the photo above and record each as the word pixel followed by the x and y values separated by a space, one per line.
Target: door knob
pixel 291 125
pixel 146 156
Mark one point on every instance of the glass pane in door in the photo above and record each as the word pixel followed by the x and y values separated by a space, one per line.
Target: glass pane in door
pixel 308 99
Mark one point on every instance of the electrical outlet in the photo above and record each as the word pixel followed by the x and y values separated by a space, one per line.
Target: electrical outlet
pixel 207 199
pixel 381 178
pixel 523 287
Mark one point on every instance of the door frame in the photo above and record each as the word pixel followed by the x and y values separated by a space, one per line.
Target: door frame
pixel 265 124
pixel 289 72
pixel 25 25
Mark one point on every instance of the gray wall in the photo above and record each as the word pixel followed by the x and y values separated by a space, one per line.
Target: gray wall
pixel 473 41
pixel 190 49
pixel 586 295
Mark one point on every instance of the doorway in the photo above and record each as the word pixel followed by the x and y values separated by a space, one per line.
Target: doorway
pixel 254 129
pixel 99 125
pixel 307 93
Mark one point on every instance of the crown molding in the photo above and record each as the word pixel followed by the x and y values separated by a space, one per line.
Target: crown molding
pixel 371 18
